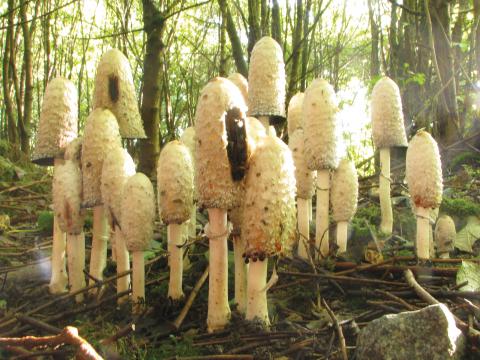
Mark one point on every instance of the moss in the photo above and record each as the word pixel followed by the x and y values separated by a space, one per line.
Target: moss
pixel 460 207
pixel 465 158
pixel 45 221
pixel 371 213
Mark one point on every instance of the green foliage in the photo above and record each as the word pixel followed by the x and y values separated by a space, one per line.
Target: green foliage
pixel 45 221
pixel 171 348
pixel 464 158
pixel 461 207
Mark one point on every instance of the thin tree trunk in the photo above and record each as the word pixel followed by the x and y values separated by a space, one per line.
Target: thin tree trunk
pixel 222 68
pixel 296 36
pixel 305 46
pixel 476 5
pixel 9 46
pixel 374 58
pixel 276 22
pixel 254 29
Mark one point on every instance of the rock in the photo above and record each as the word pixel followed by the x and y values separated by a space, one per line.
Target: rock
pixel 429 333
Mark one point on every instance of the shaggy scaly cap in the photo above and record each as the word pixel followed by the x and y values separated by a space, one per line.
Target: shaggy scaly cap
pixel 242 83
pixel 294 116
pixel 269 221
pixel 100 137
pixel 424 171
pixel 67 197
pixel 175 183
pixel 387 116
pixel 58 121
pixel 118 166
pixel 138 212
pixel 304 176
pixel 320 126
pixel 115 91
pixel 445 234
pixel 344 191
pixel 73 151
pixel 188 139
pixel 214 183
pixel 266 77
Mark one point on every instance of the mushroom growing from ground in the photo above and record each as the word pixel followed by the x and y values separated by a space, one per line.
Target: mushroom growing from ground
pixel 101 136
pixel 445 234
pixel 344 199
pixel 137 220
pixel 188 139
pixel 242 83
pixel 269 221
pixel 425 184
pixel 388 131
pixel 219 124
pixel 321 149
pixel 117 167
pixel 67 198
pixel 266 83
pixel 295 107
pixel 57 127
pixel 175 201
pixel 115 91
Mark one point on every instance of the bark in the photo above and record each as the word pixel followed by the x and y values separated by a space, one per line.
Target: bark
pixel 374 58
pixel 254 30
pixel 393 56
pixel 476 5
pixel 222 68
pixel 264 18
pixel 305 46
pixel 276 22
pixel 297 34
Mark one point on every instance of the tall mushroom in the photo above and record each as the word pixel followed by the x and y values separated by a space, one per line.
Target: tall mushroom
pixel 219 124
pixel 295 107
pixel 321 149
pixel 445 234
pixel 101 136
pixel 188 139
pixel 388 131
pixel 344 199
pixel 175 201
pixel 117 167
pixel 137 220
pixel 425 184
pixel 115 91
pixel 266 83
pixel 269 221
pixel 67 198
pixel 242 83
pixel 57 127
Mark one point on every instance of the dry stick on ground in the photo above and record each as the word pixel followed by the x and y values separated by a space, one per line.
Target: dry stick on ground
pixel 396 299
pixel 341 338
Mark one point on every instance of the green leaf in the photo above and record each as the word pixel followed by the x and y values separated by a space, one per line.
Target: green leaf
pixel 468 235
pixel 470 272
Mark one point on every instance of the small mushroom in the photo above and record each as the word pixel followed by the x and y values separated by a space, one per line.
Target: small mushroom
pixel 188 139
pixel 445 234
pixel 240 82
pixel 137 220
pixel 175 201
pixel 425 184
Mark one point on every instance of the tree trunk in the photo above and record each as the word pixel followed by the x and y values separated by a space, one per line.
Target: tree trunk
pixel 222 67
pixel 254 31
pixel 476 5
pixel 276 22
pixel 297 34
pixel 374 58
pixel 393 55
pixel 305 46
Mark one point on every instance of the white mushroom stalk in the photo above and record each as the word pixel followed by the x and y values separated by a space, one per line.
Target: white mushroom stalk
pixel 267 82
pixel 101 136
pixel 425 184
pixel 219 124
pixel 67 197
pixel 321 150
pixel 305 189
pixel 175 201
pixel 445 234
pixel 117 167
pixel 188 139
pixel 57 127
pixel 114 90
pixel 137 221
pixel 269 220
pixel 388 131
pixel 344 200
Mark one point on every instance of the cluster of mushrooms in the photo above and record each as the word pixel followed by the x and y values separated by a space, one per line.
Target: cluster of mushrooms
pixel 232 164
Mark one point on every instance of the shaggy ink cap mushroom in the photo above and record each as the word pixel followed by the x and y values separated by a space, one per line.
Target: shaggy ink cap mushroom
pixel 240 82
pixel 294 116
pixel 344 191
pixel 304 176
pixel 445 234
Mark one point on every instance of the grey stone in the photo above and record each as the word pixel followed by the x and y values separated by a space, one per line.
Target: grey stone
pixel 429 333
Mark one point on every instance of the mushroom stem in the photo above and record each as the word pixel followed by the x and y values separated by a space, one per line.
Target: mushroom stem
pixel 59 279
pixel 98 256
pixel 423 241
pixel 138 281
pixel 113 244
pixel 323 192
pixel 218 307
pixel 310 210
pixel 303 227
pixel 257 292
pixel 175 251
pixel 192 225
pixel 241 269
pixel 342 236
pixel 386 225
pixel 76 263
pixel 123 263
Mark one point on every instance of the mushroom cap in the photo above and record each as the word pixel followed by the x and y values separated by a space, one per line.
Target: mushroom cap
pixel 100 137
pixel 424 171
pixel 67 197
pixel 294 116
pixel 266 79
pixel 344 191
pixel 445 233
pixel 304 176
pixel 73 151
pixel 114 90
pixel 189 140
pixel 117 167
pixel 214 183
pixel 269 215
pixel 138 212
pixel 387 115
pixel 320 109
pixel 175 183
pixel 242 83
pixel 58 121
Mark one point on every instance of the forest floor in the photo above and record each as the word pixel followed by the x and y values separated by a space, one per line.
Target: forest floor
pixel 316 309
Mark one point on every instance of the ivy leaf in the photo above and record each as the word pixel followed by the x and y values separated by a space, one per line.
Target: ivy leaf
pixel 469 272
pixel 468 235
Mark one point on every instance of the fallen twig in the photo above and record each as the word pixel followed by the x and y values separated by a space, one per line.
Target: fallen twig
pixel 341 338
